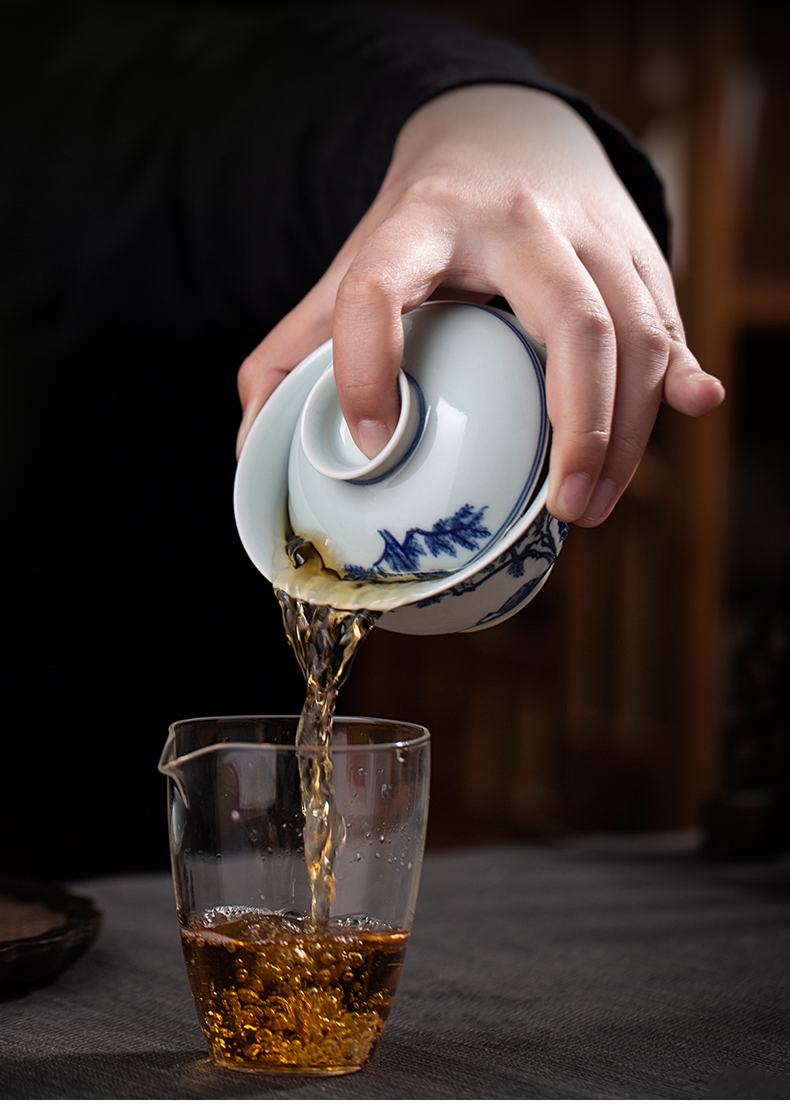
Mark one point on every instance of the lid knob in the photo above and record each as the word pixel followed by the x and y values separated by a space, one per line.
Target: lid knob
pixel 327 442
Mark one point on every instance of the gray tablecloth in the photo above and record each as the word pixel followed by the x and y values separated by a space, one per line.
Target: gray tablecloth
pixel 608 968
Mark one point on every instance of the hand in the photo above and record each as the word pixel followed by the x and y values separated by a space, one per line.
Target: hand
pixel 504 190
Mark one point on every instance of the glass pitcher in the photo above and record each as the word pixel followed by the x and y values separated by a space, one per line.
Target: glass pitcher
pixel 274 990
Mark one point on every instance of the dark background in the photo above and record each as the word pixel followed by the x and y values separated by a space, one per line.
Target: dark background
pixel 129 602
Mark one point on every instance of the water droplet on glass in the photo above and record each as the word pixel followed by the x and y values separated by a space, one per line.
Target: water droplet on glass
pixel 385 790
pixel 235 814
pixel 357 857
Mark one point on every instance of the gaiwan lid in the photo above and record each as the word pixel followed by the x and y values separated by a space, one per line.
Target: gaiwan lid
pixel 461 467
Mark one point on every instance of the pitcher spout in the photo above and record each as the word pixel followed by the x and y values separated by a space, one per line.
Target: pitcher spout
pixel 173 759
pixel 189 757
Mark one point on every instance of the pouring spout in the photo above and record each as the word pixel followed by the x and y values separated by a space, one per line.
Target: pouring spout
pixel 172 760
pixel 166 759
pixel 193 744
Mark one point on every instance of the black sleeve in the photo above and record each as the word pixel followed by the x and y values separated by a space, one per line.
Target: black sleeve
pixel 214 161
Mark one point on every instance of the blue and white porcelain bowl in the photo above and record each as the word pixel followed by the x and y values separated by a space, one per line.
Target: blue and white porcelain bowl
pixel 460 468
pixel 446 530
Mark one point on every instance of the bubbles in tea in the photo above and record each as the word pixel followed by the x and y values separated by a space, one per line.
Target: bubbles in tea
pixel 273 993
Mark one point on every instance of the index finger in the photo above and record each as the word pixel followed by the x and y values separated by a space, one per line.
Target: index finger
pixel 397 269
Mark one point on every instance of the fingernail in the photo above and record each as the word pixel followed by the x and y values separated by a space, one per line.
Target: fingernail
pixel 372 436
pixel 600 500
pixel 573 495
pixel 699 374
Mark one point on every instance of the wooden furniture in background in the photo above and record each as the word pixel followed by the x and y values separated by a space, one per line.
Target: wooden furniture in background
pixel 601 705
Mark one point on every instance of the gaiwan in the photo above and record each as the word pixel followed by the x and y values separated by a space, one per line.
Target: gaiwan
pixel 446 529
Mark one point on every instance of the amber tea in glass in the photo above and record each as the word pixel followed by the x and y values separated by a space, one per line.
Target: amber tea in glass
pixel 277 988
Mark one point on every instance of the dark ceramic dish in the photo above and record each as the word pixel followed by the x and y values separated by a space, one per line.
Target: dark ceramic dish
pixel 28 960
